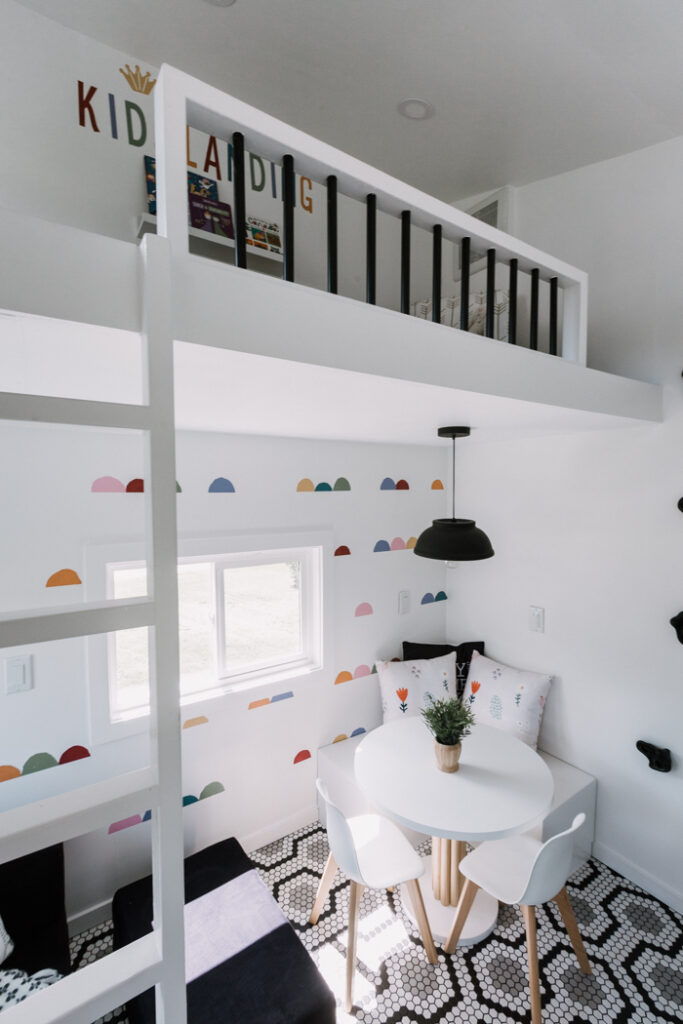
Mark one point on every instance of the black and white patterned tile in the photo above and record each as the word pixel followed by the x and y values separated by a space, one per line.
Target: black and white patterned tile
pixel 634 943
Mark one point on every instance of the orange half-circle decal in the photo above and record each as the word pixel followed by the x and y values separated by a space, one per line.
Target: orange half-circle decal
pixel 303 755
pixel 437 485
pixel 411 542
pixel 305 485
pixel 340 737
pixel 343 677
pixel 259 703
pixel 63 578
pixel 8 771
pixel 199 720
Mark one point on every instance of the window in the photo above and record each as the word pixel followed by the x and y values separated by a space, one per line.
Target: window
pixel 244 618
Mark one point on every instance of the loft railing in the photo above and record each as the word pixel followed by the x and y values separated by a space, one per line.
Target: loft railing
pixel 181 101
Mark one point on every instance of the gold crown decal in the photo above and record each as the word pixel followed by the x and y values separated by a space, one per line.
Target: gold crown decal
pixel 137 81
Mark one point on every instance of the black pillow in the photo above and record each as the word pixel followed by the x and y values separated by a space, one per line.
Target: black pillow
pixel 463 656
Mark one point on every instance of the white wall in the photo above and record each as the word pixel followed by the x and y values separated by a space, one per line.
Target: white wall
pixel 587 525
pixel 53 521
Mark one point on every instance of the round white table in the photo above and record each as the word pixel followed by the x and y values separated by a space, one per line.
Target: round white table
pixel 501 788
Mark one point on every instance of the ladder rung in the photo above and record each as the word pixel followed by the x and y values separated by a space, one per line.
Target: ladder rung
pixel 37 626
pixel 94 990
pixel 75 411
pixel 66 815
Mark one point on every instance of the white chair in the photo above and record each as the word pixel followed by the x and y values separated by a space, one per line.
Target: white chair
pixel 372 852
pixel 525 871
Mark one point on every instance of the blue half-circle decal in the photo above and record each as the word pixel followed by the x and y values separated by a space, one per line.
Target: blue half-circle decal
pixel 387 484
pixel 147 816
pixel 359 731
pixel 382 545
pixel 221 485
pixel 441 596
pixel 281 696
pixel 189 799
pixel 428 599
pixel 322 486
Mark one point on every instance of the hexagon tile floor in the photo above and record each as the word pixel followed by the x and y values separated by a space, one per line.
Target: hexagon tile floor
pixel 634 942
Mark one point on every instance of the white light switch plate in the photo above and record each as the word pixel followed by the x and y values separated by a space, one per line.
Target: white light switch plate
pixel 403 602
pixel 536 619
pixel 19 674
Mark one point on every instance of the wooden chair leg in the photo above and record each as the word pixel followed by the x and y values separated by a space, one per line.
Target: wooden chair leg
pixel 413 888
pixel 532 955
pixel 354 903
pixel 565 908
pixel 323 888
pixel 462 910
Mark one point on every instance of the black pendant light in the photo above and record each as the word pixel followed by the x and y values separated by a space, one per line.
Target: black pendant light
pixel 454 540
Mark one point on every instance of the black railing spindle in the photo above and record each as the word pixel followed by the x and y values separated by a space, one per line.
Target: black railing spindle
pixel 371 248
pixel 533 326
pixel 288 185
pixel 436 274
pixel 405 261
pixel 238 200
pixel 512 304
pixel 490 290
pixel 465 284
pixel 332 234
pixel 552 338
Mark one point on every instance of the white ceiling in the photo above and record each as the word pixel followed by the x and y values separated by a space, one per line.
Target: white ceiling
pixel 523 89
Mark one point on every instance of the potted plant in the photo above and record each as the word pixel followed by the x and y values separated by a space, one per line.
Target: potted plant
pixel 449 720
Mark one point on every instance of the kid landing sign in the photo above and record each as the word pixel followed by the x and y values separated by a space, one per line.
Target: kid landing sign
pixel 125 120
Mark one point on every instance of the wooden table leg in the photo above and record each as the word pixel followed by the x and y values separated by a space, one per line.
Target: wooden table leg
pixel 446 878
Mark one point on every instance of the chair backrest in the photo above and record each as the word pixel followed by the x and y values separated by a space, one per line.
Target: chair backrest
pixel 339 837
pixel 551 866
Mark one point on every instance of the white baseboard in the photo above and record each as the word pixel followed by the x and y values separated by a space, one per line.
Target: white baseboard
pixel 277 829
pixel 85 919
pixel 613 859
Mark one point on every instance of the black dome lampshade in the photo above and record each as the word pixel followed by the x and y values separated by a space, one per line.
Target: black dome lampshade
pixel 454 540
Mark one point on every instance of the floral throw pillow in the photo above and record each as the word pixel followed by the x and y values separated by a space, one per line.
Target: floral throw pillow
pixel 508 698
pixel 405 686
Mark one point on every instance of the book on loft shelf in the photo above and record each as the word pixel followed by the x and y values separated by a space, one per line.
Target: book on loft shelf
pixel 211 215
pixel 263 234
pixel 196 185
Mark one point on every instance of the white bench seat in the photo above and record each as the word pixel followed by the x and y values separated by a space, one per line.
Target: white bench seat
pixel 575 791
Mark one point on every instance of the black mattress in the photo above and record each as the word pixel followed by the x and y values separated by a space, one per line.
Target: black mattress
pixel 272 981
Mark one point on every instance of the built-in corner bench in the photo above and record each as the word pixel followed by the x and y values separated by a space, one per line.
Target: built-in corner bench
pixel 574 792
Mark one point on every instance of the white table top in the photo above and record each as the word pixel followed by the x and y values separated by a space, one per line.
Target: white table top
pixel 502 787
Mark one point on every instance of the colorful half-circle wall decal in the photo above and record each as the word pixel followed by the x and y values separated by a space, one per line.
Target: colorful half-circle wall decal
pixel 342 484
pixel 387 484
pixel 340 738
pixel 382 545
pixel 76 753
pixel 410 543
pixel 342 550
pixel 178 488
pixel 427 599
pixel 275 699
pixel 258 703
pixel 343 677
pixel 8 771
pixel 147 816
pixel 365 608
pixel 437 485
pixel 362 670
pixel 323 486
pixel 221 485
pixel 281 696
pixel 402 485
pixel 398 544
pixel 38 763
pixel 358 732
pixel 199 720
pixel 118 826
pixel 305 485
pixel 63 578
pixel 135 486
pixel 441 596
pixel 212 789
pixel 303 755
pixel 189 799
pixel 108 485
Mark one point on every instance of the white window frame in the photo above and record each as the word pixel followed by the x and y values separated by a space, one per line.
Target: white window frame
pixel 311 547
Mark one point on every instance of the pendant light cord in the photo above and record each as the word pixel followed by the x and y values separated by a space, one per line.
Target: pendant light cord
pixel 453 483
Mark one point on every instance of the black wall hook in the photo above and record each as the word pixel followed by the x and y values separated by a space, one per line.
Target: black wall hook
pixel 658 758
pixel 677 623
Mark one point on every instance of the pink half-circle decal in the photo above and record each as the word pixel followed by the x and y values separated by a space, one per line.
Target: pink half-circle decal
pixel 74 754
pixel 398 544
pixel 118 826
pixel 108 484
pixel 63 578
pixel 365 608
pixel 362 670
pixel 342 550
pixel 402 485
pixel 303 755
pixel 135 486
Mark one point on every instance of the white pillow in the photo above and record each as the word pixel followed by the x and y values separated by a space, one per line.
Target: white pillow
pixel 6 944
pixel 405 685
pixel 508 698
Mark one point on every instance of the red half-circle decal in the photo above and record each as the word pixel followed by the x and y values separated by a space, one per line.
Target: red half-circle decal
pixel 342 550
pixel 303 755
pixel 135 486
pixel 74 754
pixel 402 485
